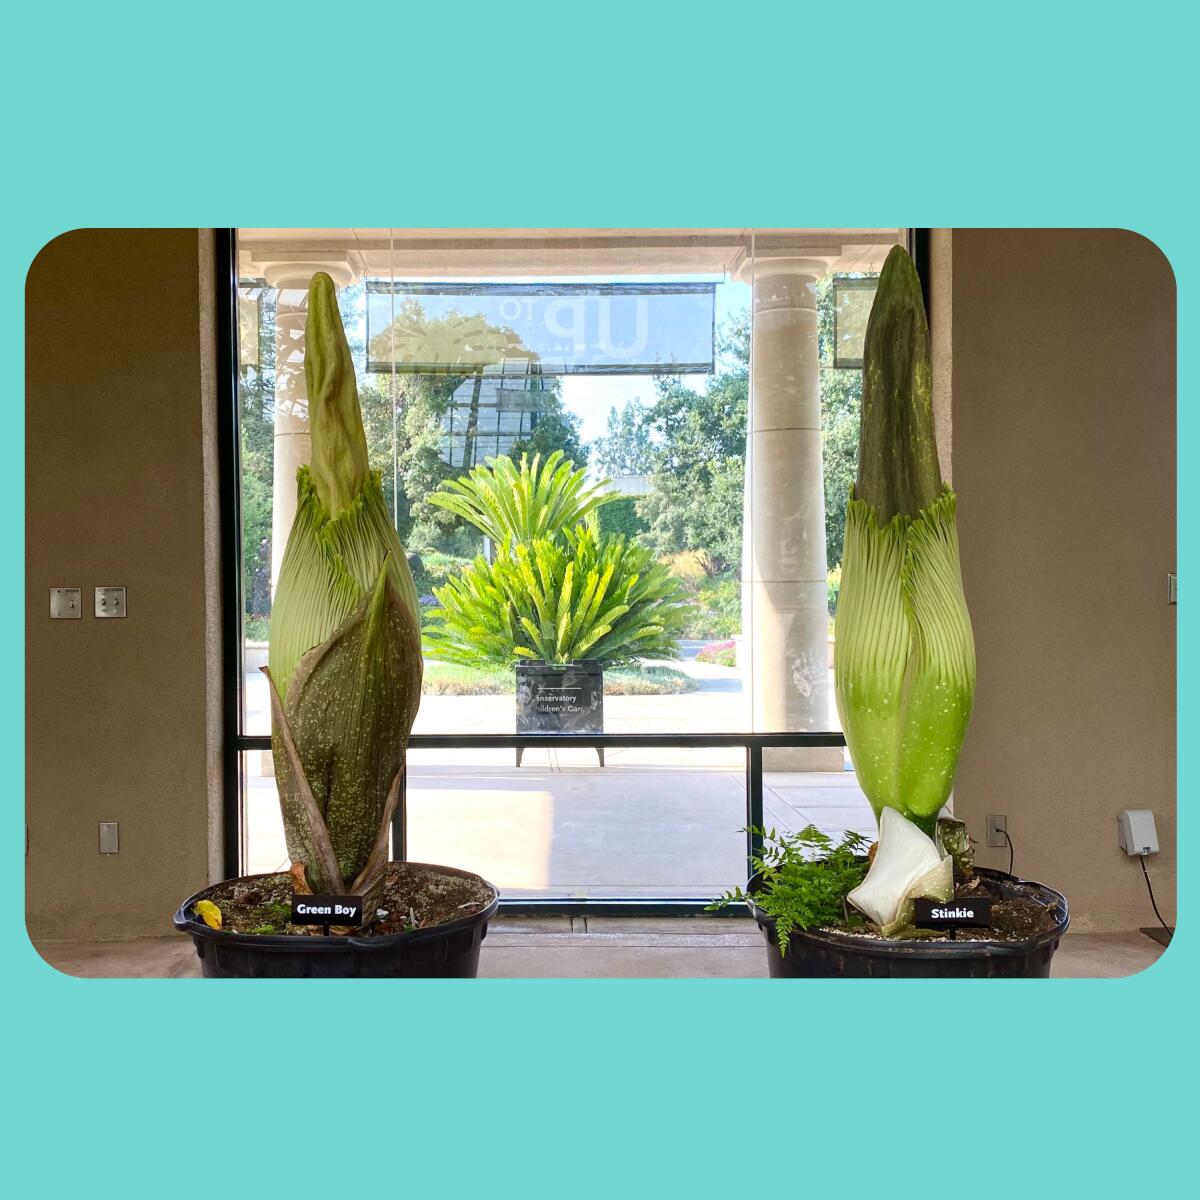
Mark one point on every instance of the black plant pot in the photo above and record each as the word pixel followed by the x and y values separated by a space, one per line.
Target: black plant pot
pixel 566 698
pixel 449 951
pixel 823 954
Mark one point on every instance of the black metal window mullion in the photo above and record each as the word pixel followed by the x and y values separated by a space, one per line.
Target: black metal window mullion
pixel 229 460
pixel 754 805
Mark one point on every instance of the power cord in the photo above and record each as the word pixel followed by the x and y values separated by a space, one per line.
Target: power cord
pixel 1011 851
pixel 1153 904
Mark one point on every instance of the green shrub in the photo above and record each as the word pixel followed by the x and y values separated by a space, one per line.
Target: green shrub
pixel 449 679
pixel 833 586
pixel 436 569
pixel 647 681
pixel 717 603
pixel 459 542
pixel 535 500
pixel 256 629
pixel 558 600
pixel 621 516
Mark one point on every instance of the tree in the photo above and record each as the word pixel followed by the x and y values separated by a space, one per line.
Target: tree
pixel 418 466
pixel 841 405
pixel 256 427
pixel 556 429
pixel 697 458
pixel 695 444
pixel 626 448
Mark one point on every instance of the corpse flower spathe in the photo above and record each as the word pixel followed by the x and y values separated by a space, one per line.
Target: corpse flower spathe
pixel 345 654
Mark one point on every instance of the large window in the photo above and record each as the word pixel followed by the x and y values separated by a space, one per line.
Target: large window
pixel 708 383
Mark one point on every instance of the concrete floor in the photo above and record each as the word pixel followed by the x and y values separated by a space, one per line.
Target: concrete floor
pixel 593 948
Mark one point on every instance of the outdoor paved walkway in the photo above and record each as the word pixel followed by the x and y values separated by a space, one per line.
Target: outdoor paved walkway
pixel 650 823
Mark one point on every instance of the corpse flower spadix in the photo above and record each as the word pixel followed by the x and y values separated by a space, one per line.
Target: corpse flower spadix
pixel 904 653
pixel 907 865
pixel 345 656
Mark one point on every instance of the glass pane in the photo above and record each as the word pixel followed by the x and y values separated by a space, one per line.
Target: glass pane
pixel 263 846
pixel 726 470
pixel 801 459
pixel 648 823
pixel 273 435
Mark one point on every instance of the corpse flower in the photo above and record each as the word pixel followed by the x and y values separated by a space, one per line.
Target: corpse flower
pixel 345 654
pixel 904 668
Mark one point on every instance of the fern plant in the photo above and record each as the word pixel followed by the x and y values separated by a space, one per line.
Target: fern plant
pixel 533 500
pixel 559 599
pixel 805 878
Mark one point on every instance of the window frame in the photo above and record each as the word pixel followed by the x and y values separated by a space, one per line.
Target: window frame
pixel 236 743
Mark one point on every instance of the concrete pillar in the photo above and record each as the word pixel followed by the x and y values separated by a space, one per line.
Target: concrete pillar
pixel 293 444
pixel 784 601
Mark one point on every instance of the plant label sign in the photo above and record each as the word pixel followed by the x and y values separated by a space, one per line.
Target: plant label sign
pixel 947 914
pixel 556 701
pixel 327 910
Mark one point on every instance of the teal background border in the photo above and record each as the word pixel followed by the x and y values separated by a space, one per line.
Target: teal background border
pixel 634 115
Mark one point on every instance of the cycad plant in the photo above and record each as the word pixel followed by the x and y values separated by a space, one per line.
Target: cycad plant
pixel 345 654
pixel 558 600
pixel 904 651
pixel 533 500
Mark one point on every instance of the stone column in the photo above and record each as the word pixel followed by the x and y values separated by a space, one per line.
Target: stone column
pixel 293 444
pixel 784 600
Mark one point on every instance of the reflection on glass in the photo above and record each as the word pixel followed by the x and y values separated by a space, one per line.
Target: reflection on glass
pixel 852 300
pixel 642 381
pixel 709 376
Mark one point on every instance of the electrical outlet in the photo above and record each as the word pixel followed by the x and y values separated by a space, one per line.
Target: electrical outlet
pixel 997 830
pixel 1136 831
pixel 109 843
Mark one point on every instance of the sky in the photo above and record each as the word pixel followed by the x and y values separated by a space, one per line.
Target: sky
pixel 590 397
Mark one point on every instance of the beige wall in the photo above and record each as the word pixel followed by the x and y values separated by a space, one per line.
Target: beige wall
pixel 1064 461
pixel 116 709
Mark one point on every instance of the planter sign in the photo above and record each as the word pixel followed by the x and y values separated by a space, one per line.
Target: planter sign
pixel 938 914
pixel 327 910
pixel 560 699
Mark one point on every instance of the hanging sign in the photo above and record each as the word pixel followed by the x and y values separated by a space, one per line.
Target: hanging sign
pixel 540 328
pixel 852 301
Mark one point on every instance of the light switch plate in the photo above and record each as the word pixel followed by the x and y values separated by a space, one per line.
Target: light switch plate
pixel 109 841
pixel 66 604
pixel 110 602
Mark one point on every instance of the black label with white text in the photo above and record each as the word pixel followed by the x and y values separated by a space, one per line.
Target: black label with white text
pixel 946 914
pixel 327 910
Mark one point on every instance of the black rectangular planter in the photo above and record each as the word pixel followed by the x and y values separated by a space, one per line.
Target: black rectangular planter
pixel 567 698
